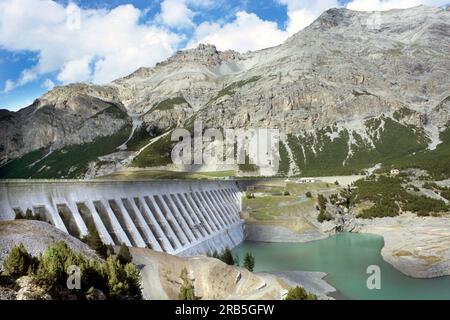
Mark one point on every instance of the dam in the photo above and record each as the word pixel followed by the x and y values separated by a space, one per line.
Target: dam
pixel 182 217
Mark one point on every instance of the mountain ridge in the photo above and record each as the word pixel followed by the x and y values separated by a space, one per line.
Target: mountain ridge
pixel 319 87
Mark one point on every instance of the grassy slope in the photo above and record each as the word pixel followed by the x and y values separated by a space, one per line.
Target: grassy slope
pixel 168 104
pixel 436 162
pixel 290 211
pixel 156 154
pixel 324 156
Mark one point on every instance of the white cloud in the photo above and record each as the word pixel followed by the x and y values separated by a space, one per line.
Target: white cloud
pixel 246 32
pixel 101 45
pixel 9 86
pixel 75 70
pixel 381 5
pixel 175 13
pixel 105 45
pixel 26 76
pixel 48 84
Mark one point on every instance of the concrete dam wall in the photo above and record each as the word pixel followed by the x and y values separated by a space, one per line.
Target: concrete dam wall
pixel 177 217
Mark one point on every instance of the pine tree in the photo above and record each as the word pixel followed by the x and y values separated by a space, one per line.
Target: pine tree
pixel 124 255
pixel 298 293
pixel 94 241
pixel 249 262
pixel 227 257
pixel 18 262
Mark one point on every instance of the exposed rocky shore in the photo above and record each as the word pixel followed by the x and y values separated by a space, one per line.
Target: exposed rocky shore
pixel 214 279
pixel 417 246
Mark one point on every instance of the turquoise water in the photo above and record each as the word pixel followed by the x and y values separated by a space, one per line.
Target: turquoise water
pixel 345 258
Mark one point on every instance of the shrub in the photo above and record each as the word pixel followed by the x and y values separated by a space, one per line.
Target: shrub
pixel 249 262
pixel 124 255
pixel 227 257
pixel 324 216
pixel 18 262
pixel 382 208
pixel 124 282
pixel 286 193
pixel 94 241
pixel 308 194
pixel 446 193
pixel 114 279
pixel 187 288
pixel 298 293
pixel 322 202
pixel 54 263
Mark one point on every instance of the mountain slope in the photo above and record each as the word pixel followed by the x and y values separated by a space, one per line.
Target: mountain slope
pixel 352 90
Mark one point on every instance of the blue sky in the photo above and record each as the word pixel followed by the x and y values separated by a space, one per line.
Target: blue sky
pixel 44 43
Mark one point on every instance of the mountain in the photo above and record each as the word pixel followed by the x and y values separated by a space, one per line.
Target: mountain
pixel 352 90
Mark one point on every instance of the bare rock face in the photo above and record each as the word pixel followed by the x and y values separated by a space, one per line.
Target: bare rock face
pixel 31 290
pixel 344 69
pixel 418 247
pixel 74 114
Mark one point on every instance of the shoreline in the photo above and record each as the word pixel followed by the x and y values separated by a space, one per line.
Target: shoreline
pixel 418 247
pixel 312 281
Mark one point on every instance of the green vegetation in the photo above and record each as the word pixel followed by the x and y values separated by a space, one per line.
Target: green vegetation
pixel 19 262
pixel 124 255
pixel 141 137
pixel 187 288
pixel 308 194
pixel 112 111
pixel 435 162
pixel 272 207
pixel 318 154
pixel 227 257
pixel 322 206
pixel 249 262
pixel 446 194
pixel 247 166
pixel 390 198
pixel 157 154
pixel 299 293
pixel 231 89
pixel 403 113
pixel 94 241
pixel 68 162
pixel 50 271
pixel 283 166
pixel 168 104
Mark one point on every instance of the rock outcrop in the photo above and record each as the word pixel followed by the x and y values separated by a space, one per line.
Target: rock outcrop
pixel 417 246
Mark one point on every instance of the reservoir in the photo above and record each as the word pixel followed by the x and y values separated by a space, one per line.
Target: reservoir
pixel 345 258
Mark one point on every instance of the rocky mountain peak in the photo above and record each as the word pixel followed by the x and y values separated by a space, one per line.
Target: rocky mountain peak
pixel 334 17
pixel 203 54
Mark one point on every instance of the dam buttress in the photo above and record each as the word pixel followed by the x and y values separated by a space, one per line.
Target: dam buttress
pixel 179 217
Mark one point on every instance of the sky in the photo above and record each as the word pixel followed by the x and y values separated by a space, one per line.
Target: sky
pixel 45 43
